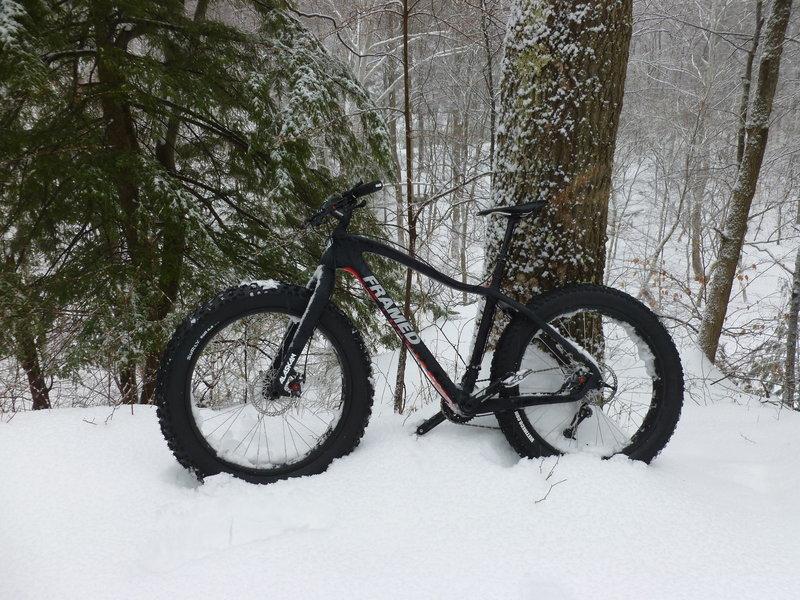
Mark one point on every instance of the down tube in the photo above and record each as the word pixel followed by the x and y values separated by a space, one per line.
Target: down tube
pixel 412 340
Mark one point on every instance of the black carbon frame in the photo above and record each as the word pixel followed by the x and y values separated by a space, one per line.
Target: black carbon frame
pixel 346 251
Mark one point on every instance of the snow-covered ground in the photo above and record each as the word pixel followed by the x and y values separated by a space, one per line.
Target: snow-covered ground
pixel 95 506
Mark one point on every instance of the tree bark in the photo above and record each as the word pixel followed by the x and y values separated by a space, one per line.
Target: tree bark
pixel 490 85
pixel 127 382
pixel 757 131
pixel 399 391
pixel 792 321
pixel 29 359
pixel 699 181
pixel 560 99
pixel 746 83
pixel 790 361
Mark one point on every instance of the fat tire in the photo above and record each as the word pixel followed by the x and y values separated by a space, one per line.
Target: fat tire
pixel 661 424
pixel 173 404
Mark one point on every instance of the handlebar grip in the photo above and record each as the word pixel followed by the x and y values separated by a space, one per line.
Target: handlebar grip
pixel 363 189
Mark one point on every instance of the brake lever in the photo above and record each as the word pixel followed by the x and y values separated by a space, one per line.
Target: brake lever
pixel 335 204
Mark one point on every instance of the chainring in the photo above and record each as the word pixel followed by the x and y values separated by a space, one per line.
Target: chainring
pixel 452 416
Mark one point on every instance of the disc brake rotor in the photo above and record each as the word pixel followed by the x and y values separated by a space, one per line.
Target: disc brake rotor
pixel 262 397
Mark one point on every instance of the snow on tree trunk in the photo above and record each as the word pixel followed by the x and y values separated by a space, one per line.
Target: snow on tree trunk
pixel 757 130
pixel 561 93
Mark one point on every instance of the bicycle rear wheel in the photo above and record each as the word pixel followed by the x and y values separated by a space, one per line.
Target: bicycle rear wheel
pixel 214 404
pixel 637 408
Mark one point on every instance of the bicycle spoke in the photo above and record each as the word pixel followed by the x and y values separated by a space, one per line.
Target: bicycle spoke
pixel 617 410
pixel 236 364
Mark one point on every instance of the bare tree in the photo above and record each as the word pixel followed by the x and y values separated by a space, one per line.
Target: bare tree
pixel 757 132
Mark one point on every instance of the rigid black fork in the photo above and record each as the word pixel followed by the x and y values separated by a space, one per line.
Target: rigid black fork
pixel 298 334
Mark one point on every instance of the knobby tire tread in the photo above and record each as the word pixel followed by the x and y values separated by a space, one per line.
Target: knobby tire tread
pixel 189 327
pixel 508 348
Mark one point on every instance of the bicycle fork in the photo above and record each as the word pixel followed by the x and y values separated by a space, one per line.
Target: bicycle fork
pixel 298 333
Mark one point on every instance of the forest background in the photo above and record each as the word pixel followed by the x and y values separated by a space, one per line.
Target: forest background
pixel 429 126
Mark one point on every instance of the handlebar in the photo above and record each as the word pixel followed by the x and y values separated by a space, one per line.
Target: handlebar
pixel 364 189
pixel 334 204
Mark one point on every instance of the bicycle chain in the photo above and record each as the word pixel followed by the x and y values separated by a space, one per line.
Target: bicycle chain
pixel 479 426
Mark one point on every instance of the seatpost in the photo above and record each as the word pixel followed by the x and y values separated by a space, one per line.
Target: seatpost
pixel 502 255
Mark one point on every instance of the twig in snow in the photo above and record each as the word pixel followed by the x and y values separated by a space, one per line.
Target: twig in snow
pixel 550 489
pixel 113 410
pixel 547 478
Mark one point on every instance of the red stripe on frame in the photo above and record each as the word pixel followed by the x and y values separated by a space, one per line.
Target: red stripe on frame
pixel 417 359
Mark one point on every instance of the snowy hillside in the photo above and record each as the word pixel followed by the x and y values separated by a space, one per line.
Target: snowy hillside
pixel 95 506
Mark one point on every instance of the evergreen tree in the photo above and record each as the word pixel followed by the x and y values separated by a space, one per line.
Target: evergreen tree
pixel 155 151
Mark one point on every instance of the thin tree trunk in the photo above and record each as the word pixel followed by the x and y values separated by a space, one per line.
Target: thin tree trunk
pixel 790 362
pixel 696 221
pixel 29 359
pixel 757 131
pixel 399 391
pixel 460 215
pixel 490 85
pixel 746 83
pixel 127 382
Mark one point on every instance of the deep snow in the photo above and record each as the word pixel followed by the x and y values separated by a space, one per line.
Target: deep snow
pixel 95 506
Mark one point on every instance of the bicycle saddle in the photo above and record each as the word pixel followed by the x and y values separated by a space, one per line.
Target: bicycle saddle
pixel 518 210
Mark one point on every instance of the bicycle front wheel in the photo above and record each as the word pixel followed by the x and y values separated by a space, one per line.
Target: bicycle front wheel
pixel 214 401
pixel 638 405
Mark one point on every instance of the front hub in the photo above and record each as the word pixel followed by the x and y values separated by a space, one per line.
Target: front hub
pixel 268 403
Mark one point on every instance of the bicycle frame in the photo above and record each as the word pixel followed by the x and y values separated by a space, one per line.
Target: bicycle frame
pixel 346 252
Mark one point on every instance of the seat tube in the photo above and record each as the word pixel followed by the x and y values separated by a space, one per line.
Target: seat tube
pixel 489 309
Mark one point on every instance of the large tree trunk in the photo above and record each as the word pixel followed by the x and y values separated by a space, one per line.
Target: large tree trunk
pixel 560 99
pixel 27 351
pixel 757 131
